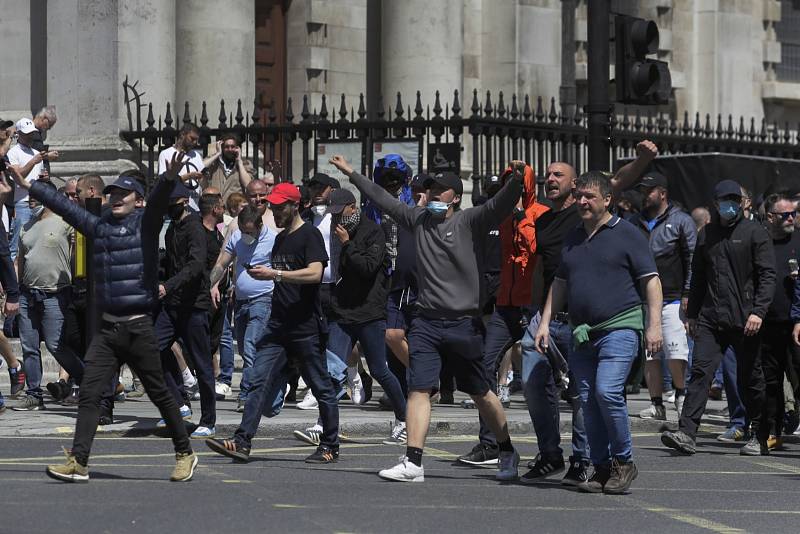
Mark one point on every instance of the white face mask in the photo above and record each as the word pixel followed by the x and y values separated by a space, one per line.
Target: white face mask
pixel 248 239
pixel 319 210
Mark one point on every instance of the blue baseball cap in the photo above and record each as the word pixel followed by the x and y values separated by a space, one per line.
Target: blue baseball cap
pixel 390 162
pixel 727 188
pixel 180 191
pixel 127 183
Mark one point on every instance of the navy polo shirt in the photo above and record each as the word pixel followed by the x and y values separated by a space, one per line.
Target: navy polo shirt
pixel 602 273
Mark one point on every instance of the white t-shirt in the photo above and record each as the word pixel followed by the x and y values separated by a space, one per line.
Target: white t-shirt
pixel 19 156
pixel 194 164
pixel 323 224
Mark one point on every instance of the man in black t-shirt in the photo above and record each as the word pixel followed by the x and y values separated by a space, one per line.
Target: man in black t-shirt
pixel 296 329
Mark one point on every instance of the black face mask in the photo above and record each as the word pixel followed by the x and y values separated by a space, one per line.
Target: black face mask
pixel 175 211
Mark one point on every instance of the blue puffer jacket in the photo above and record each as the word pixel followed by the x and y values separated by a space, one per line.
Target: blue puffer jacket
pixel 126 250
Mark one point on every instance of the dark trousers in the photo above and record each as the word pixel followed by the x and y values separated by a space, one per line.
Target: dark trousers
pixel 191 327
pixel 776 354
pixel 709 344
pixel 269 363
pixel 133 343
pixel 216 323
pixel 506 326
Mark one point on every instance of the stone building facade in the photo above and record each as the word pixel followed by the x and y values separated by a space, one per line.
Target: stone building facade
pixel 726 56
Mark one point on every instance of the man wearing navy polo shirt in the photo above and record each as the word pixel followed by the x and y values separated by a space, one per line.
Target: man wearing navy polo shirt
pixel 605 256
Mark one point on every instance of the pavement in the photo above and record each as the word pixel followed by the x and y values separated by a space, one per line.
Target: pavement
pixel 716 491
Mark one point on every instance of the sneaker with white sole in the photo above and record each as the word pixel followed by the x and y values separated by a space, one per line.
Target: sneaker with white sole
pixel 185 463
pixel 356 386
pixel 186 415
pixel 70 471
pixel 203 432
pixel 669 396
pixel 310 435
pixel 405 471
pixel 309 402
pixel 399 435
pixel 508 466
pixel 659 413
pixel 222 390
pixel 679 403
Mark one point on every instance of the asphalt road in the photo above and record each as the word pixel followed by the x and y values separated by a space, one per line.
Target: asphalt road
pixel 713 491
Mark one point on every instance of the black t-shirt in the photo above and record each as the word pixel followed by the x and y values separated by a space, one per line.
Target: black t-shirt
pixel 551 229
pixel 296 308
pixel 785 249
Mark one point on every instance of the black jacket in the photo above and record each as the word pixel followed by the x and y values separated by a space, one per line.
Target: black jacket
pixel 360 294
pixel 187 282
pixel 733 274
pixel 125 250
pixel 8 275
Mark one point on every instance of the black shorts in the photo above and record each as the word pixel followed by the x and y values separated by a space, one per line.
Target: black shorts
pixel 458 343
pixel 400 309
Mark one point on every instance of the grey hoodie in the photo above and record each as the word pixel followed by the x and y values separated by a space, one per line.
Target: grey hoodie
pixel 447 266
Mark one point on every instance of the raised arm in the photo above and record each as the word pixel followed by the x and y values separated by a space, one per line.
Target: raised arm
pixel 58 203
pixel 158 201
pixel 628 174
pixel 497 208
pixel 406 216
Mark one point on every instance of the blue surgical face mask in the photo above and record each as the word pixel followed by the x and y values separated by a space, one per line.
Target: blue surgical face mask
pixel 728 211
pixel 437 207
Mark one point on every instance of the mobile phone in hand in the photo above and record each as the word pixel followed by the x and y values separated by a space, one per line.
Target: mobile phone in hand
pixel 247 266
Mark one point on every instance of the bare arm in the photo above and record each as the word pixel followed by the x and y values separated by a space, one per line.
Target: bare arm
pixel 244 176
pixel 628 174
pixel 218 271
pixel 555 303
pixel 308 275
pixel 651 287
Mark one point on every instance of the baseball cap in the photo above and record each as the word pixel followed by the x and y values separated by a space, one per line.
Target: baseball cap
pixel 324 179
pixel 653 179
pixel 5 124
pixel 26 126
pixel 726 188
pixel 284 192
pixel 339 199
pixel 127 183
pixel 446 179
pixel 180 191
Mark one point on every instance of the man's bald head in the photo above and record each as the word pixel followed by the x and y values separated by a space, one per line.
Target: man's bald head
pixel 211 190
pixel 256 192
pixel 559 181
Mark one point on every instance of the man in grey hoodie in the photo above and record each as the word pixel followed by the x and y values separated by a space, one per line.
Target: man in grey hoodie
pixel 448 325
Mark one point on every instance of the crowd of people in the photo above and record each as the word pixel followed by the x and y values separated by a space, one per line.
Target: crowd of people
pixel 569 292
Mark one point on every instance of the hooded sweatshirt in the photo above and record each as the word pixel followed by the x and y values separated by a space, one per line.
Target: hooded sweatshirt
pixel 518 246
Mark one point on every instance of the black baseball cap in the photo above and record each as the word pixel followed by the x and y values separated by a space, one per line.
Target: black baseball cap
pixel 727 188
pixel 338 199
pixel 447 179
pixel 5 124
pixel 324 179
pixel 180 191
pixel 127 183
pixel 653 179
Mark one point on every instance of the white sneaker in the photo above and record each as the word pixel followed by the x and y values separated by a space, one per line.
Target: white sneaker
pixel 654 412
pixel 669 396
pixel 398 435
pixel 309 402
pixel 679 403
pixel 357 394
pixel 405 471
pixel 223 389
pixel 203 432
pixel 301 384
pixel 310 435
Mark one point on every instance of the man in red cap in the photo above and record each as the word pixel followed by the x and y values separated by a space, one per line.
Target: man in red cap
pixel 296 329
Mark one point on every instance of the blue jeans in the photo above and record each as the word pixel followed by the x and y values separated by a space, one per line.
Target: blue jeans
pixel 542 395
pixel 736 409
pixel 372 336
pixel 271 357
pixel 250 321
pixel 226 344
pixel 41 316
pixel 22 214
pixel 601 368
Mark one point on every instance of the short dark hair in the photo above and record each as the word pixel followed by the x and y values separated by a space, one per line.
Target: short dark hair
pixel 208 201
pixel 249 215
pixel 189 127
pixel 230 137
pixel 773 199
pixel 597 179
pixel 92 180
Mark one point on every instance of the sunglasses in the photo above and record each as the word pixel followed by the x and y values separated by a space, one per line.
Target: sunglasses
pixel 785 215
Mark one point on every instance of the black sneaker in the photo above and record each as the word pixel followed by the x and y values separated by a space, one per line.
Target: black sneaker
pixel 73 398
pixel 240 405
pixel 680 441
pixel 106 416
pixel 542 468
pixel 366 382
pixel 324 455
pixel 622 475
pixel 30 404
pixel 754 447
pixel 577 474
pixel 230 448
pixel 597 481
pixel 58 390
pixel 481 454
pixel 446 397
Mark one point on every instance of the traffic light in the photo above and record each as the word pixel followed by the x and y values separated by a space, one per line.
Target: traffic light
pixel 639 80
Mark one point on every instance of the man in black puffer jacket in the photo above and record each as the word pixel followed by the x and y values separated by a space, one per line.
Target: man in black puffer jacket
pixel 126 262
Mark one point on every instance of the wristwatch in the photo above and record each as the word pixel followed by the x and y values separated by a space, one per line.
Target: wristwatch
pixel 279 276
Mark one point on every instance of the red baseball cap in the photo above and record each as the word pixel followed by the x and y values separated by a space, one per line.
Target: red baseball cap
pixel 284 192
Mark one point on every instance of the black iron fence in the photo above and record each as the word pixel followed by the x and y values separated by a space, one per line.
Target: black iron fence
pixel 495 131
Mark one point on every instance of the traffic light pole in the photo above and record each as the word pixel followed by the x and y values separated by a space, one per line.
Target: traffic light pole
pixel 599 104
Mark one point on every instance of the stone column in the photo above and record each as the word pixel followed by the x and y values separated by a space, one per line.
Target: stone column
pixel 15 99
pixel 215 56
pixel 422 48
pixel 82 82
pixel 146 52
